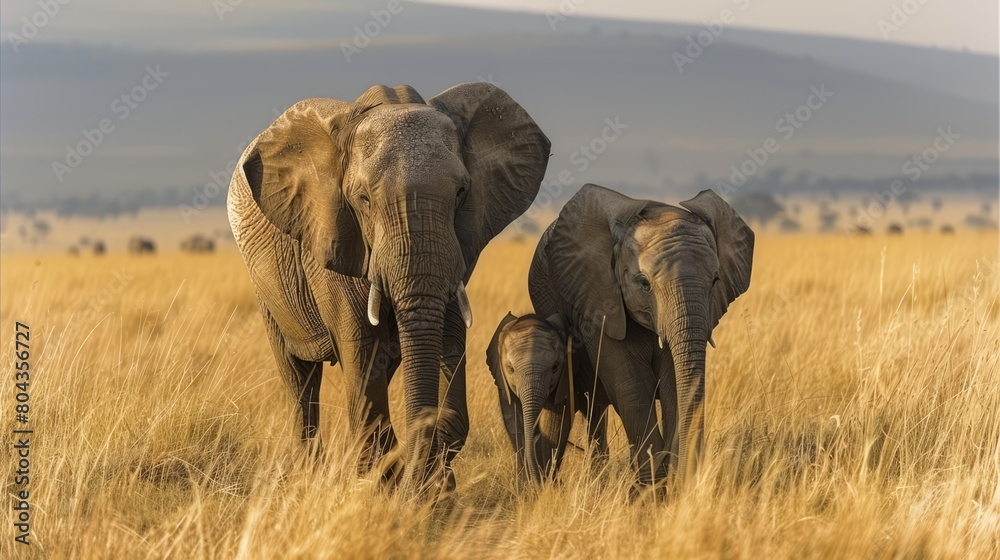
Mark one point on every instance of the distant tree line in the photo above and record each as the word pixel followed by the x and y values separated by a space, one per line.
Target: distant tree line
pixel 780 180
pixel 777 181
pixel 101 205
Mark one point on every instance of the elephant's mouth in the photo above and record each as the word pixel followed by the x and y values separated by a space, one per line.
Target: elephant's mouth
pixel 415 258
pixel 375 302
pixel 647 318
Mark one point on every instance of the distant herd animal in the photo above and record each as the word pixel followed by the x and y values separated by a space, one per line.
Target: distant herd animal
pixel 360 224
pixel 198 244
pixel 140 245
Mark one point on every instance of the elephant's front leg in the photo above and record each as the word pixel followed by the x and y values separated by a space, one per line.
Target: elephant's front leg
pixel 302 377
pixel 593 402
pixel 554 425
pixel 453 423
pixel 366 367
pixel 597 426
pixel 631 387
pixel 663 365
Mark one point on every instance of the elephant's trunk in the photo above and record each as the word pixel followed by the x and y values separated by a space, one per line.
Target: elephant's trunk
pixel 418 264
pixel 532 400
pixel 420 328
pixel 686 330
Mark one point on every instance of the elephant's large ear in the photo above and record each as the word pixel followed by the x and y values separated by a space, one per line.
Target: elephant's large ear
pixel 734 241
pixel 505 154
pixel 558 322
pixel 295 173
pixel 493 360
pixel 581 251
pixel 508 407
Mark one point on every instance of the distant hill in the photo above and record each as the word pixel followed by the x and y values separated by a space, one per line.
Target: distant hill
pixel 677 131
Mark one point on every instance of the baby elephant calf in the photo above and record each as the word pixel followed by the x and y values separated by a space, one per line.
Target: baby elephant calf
pixel 543 381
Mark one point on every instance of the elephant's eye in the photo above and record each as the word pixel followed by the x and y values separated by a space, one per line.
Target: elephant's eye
pixel 643 282
pixel 460 197
pixel 364 198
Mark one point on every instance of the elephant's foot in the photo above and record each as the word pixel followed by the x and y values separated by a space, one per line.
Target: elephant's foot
pixel 651 481
pixel 451 431
pixel 599 460
pixel 641 493
pixel 450 483
pixel 381 454
pixel 436 482
pixel 441 485
pixel 651 472
pixel 391 469
pixel 311 452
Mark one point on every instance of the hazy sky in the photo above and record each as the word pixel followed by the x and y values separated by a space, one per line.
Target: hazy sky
pixel 229 69
pixel 952 24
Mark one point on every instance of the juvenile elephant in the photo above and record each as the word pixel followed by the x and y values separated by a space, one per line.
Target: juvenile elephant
pixel 339 206
pixel 643 284
pixel 542 381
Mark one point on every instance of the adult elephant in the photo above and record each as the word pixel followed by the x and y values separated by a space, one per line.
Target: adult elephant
pixel 339 206
pixel 644 284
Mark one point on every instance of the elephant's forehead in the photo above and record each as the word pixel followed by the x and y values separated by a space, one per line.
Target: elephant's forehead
pixel 666 223
pixel 532 339
pixel 415 143
pixel 673 240
pixel 414 128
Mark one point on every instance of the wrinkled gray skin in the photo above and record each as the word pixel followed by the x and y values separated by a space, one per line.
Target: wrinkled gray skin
pixel 528 360
pixel 644 284
pixel 359 224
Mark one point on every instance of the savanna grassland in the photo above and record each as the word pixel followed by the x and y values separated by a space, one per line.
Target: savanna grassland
pixel 853 412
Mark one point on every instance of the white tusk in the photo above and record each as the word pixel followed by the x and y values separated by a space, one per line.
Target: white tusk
pixel 463 304
pixel 374 303
pixel 712 342
pixel 659 340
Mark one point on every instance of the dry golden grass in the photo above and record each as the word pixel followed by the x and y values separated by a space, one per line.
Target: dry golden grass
pixel 853 411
